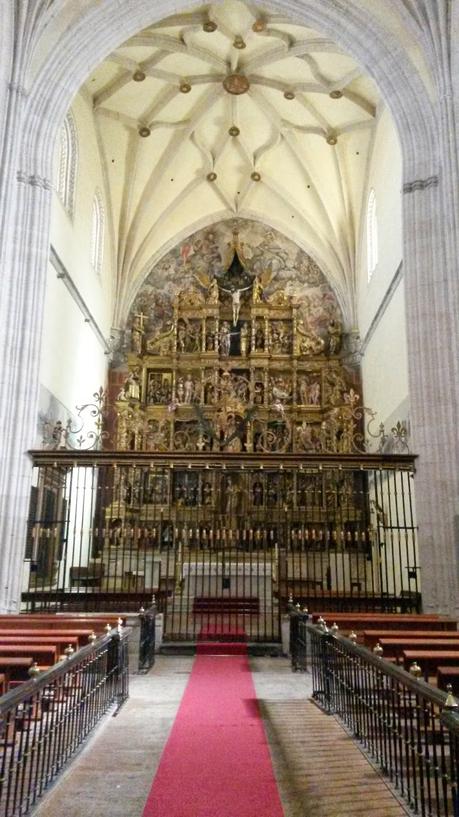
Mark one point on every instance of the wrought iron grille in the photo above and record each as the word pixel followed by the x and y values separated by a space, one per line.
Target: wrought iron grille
pixel 221 541
pixel 45 720
pixel 403 723
pixel 147 641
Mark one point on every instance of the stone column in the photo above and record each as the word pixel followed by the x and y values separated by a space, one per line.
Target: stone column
pixel 23 289
pixel 432 332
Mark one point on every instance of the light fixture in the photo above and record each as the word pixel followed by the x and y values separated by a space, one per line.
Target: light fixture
pixel 144 131
pixel 139 75
pixel 238 42
pixel 185 87
pixel 255 176
pixel 234 131
pixel 209 26
pixel 289 95
pixel 336 94
pixel 211 177
pixel 332 139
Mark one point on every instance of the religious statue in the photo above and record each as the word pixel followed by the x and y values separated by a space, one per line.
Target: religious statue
pixel 244 340
pixel 212 296
pixel 236 300
pixel 60 435
pixel 259 338
pixel 225 339
pixel 180 390
pixel 137 331
pixel 207 493
pixel 189 389
pixel 314 393
pixel 334 336
pixel 181 337
pixel 132 386
pixel 310 343
pixel 257 291
pixel 257 493
pixel 303 389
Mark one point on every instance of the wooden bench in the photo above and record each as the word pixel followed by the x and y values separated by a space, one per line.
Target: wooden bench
pixel 394 647
pixel 58 641
pixel 89 575
pixel 43 654
pixel 81 636
pixel 54 622
pixel 221 605
pixel 371 637
pixel 15 667
pixel 379 621
pixel 448 675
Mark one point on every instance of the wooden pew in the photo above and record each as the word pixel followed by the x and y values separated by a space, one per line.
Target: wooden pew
pixel 15 668
pixel 394 647
pixel 371 637
pixel 429 660
pixel 448 675
pixel 56 621
pixel 393 621
pixel 58 641
pixel 20 634
pixel 39 653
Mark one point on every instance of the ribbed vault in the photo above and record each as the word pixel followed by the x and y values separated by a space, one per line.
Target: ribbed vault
pixel 229 110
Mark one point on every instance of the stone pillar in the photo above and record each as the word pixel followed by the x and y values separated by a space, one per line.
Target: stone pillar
pixel 23 289
pixel 432 332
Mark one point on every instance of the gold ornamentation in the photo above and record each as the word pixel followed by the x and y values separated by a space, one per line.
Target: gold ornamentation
pixel 236 84
pixel 259 26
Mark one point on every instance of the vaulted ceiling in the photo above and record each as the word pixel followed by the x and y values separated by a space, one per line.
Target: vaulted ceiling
pixel 230 110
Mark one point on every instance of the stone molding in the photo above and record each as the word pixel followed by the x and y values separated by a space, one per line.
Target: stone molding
pixel 34 180
pixel 17 88
pixel 421 184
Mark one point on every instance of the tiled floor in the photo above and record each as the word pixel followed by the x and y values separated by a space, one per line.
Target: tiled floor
pixel 319 770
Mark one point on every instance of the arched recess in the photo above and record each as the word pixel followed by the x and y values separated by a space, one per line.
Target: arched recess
pixel 32 128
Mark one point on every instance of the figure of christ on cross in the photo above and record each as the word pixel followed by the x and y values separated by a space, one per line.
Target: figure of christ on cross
pixel 236 300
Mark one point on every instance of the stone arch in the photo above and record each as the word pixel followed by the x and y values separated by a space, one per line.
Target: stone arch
pixel 37 115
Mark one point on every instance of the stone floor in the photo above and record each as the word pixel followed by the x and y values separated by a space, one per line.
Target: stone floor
pixel 112 775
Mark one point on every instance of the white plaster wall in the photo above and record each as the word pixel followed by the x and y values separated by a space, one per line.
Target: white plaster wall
pixel 73 363
pixel 385 363
pixel 382 312
pixel 385 178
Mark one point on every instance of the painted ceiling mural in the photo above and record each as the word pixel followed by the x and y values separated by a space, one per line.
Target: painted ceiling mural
pixel 267 255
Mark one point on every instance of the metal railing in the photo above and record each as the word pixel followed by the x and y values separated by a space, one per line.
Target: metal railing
pixel 44 721
pixel 147 639
pixel 298 645
pixel 408 727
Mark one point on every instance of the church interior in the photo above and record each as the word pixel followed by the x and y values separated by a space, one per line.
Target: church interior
pixel 230 392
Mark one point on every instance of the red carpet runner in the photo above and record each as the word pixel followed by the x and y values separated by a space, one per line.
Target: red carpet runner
pixel 216 762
